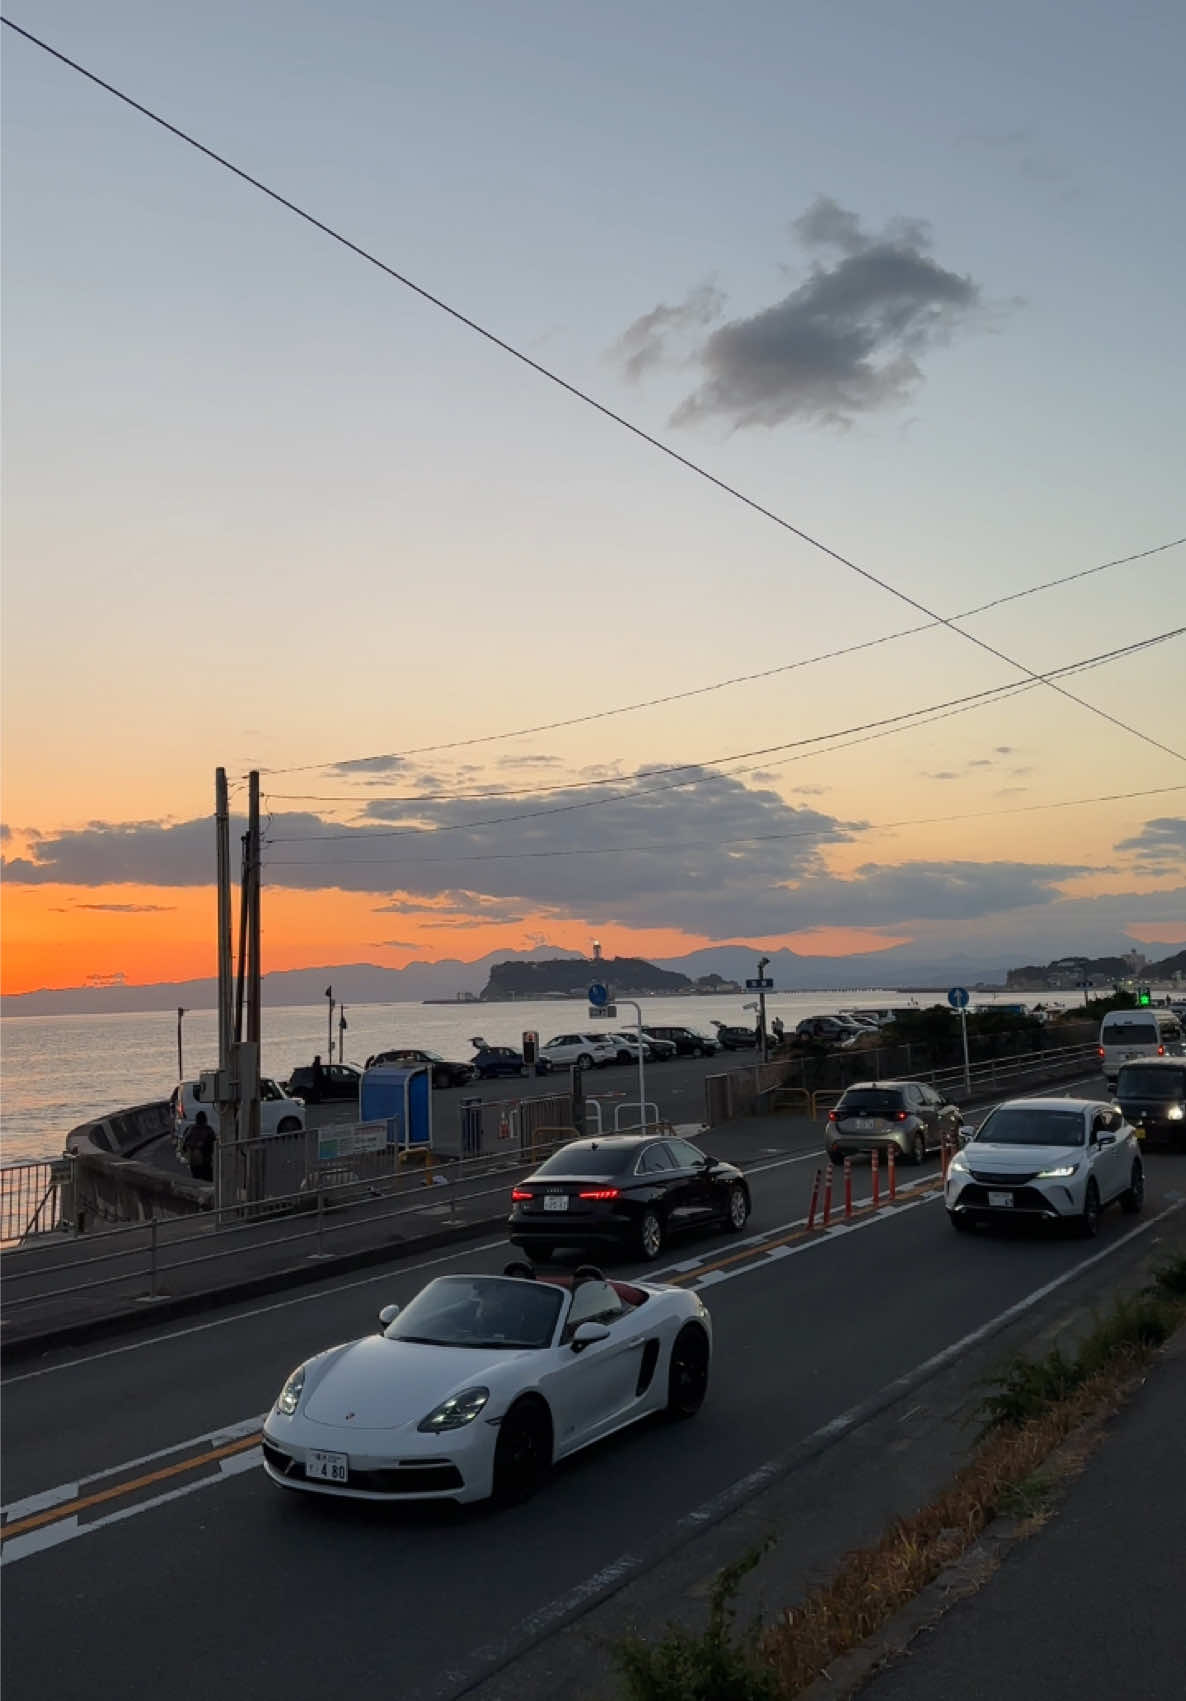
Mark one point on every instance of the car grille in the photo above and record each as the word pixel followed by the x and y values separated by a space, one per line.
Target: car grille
pixel 1015 1179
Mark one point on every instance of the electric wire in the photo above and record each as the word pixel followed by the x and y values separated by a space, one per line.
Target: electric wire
pixel 576 392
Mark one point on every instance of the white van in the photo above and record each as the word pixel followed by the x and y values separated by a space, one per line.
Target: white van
pixel 1127 1034
pixel 278 1114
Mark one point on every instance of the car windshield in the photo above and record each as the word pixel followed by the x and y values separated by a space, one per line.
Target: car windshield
pixel 1152 1083
pixel 587 1160
pixel 870 1099
pixel 1130 1033
pixel 1018 1125
pixel 480 1311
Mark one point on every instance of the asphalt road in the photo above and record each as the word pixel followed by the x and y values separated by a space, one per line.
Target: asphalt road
pixel 149 1552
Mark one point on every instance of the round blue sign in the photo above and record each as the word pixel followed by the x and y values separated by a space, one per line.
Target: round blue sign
pixel 958 998
pixel 599 994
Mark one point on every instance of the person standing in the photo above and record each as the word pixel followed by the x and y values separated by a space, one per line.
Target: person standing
pixel 318 1082
pixel 199 1149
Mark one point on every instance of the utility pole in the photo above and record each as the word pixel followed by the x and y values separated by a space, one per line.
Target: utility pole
pixel 227 1072
pixel 763 963
pixel 180 1063
pixel 329 993
pixel 342 1024
pixel 254 979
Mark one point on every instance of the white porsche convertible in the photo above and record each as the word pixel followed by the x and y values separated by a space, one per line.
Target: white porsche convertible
pixel 481 1382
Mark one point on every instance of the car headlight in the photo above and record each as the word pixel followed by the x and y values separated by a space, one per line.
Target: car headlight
pixel 290 1394
pixel 455 1412
pixel 958 1165
pixel 1059 1172
pixel 1176 1113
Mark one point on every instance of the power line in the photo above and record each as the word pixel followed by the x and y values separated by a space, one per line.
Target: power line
pixel 696 691
pixel 715 844
pixel 583 395
pixel 704 690
pixel 894 723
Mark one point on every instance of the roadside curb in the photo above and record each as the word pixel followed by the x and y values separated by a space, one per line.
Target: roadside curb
pixel 147 1313
pixel 848 1674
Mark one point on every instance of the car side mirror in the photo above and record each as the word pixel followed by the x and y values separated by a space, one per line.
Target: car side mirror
pixel 966 1132
pixel 710 1163
pixel 587 1335
pixel 1106 1139
pixel 388 1315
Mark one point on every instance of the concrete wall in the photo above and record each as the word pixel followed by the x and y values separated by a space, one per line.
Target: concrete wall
pixel 105 1189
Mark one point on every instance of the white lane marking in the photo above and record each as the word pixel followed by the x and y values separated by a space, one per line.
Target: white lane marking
pixel 346 1287
pixel 40 1502
pixel 68 1529
pixel 321 1292
pixel 209 1441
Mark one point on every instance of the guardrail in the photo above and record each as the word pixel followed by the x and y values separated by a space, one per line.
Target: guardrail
pixel 990 1073
pixel 31 1197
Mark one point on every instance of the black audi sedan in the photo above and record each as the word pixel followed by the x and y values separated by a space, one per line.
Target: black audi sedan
pixel 445 1073
pixel 632 1191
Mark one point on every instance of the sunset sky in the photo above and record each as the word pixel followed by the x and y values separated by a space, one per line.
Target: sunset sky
pixel 908 277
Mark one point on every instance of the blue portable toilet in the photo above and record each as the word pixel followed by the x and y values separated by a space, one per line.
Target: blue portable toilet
pixel 403 1099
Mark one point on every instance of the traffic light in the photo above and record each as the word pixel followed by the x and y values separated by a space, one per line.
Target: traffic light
pixel 1143 997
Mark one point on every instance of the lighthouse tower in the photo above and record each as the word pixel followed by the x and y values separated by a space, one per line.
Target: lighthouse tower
pixel 597 950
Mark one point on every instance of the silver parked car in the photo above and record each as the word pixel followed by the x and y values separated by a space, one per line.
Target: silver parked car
pixel 874 1115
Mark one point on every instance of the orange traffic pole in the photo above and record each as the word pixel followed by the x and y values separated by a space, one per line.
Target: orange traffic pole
pixel 876 1180
pixel 893 1173
pixel 814 1200
pixel 848 1190
pixel 828 1193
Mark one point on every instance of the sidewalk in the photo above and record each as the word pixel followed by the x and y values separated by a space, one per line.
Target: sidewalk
pixel 1092 1605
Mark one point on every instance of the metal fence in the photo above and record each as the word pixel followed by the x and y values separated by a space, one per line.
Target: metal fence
pixel 321 1219
pixel 31 1198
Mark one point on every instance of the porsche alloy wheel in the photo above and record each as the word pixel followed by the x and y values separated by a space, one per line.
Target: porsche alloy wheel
pixel 522 1454
pixel 650 1235
pixel 687 1378
pixel 737 1209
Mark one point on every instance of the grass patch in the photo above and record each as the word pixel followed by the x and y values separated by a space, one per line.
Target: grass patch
pixel 1030 1409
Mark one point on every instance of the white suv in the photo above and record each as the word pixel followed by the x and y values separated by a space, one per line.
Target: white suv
pixel 277 1113
pixel 586 1050
pixel 1057 1159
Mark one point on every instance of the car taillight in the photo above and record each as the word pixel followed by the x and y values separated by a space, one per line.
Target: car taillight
pixel 900 1115
pixel 1100 1049
pixel 832 1116
pixel 1161 1051
pixel 518 1194
pixel 599 1193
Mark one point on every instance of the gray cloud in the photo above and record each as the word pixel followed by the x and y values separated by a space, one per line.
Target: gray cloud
pixel 129 909
pixel 646 343
pixel 845 341
pixel 1161 841
pixel 369 765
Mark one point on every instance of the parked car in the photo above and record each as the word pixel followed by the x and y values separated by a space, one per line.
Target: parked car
pixel 278 1114
pixel 653 1050
pixel 687 1041
pixel 490 1062
pixel 1126 1035
pixel 444 1072
pixel 336 1083
pixel 833 1030
pixel 1057 1160
pixel 632 1191
pixel 588 1051
pixel 547 1366
pixel 736 1038
pixel 1152 1094
pixel 873 1115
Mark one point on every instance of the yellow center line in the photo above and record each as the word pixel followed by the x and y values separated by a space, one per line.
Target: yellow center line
pixel 68 1508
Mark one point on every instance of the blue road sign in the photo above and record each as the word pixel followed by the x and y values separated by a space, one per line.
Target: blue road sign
pixel 761 984
pixel 599 993
pixel 959 998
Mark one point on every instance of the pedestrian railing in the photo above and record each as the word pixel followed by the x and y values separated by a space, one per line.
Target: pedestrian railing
pixel 30 1198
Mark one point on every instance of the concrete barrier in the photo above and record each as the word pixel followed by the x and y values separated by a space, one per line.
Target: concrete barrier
pixel 104 1189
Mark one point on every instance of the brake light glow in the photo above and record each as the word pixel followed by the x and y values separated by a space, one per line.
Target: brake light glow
pixel 1161 1051
pixel 832 1116
pixel 599 1193
pixel 900 1115
pixel 518 1194
pixel 1100 1049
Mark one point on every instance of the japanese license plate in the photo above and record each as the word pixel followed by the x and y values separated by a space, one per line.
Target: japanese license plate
pixel 1000 1199
pixel 863 1124
pixel 328 1467
pixel 555 1201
